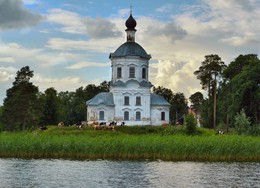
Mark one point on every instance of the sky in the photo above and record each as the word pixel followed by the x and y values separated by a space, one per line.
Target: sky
pixel 67 42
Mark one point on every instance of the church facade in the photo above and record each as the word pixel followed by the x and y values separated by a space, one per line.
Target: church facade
pixel 130 99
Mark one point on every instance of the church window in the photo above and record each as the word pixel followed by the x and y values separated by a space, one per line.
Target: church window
pixel 163 116
pixel 138 116
pixel 132 72
pixel 119 72
pixel 143 73
pixel 126 115
pixel 138 101
pixel 101 115
pixel 126 102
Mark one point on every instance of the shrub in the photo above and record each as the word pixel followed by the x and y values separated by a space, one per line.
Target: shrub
pixel 255 130
pixel 221 126
pixel 242 123
pixel 190 123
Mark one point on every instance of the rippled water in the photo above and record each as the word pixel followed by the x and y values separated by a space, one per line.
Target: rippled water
pixel 66 173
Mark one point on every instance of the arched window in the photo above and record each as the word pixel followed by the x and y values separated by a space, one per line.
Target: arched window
pixel 143 73
pixel 126 115
pixel 119 72
pixel 132 72
pixel 163 116
pixel 138 116
pixel 101 115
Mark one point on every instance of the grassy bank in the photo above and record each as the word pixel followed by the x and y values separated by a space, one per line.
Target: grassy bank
pixel 129 143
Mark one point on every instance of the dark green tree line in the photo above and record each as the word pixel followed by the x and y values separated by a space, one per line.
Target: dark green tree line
pixel 238 90
pixel 241 88
pixel 25 107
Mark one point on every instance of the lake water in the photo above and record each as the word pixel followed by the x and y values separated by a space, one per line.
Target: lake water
pixel 102 173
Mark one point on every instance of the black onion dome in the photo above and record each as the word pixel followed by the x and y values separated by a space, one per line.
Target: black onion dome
pixel 130 23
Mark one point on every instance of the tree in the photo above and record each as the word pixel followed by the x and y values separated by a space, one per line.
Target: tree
pixel 50 107
pixel 236 66
pixel 208 72
pixel 104 86
pixel 190 123
pixel 196 100
pixel 179 107
pixel 65 107
pixel 165 92
pixel 79 111
pixel 72 105
pixel 246 91
pixel 20 110
pixel 240 89
pixel 242 123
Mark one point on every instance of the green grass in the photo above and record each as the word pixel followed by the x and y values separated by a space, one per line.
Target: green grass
pixel 129 143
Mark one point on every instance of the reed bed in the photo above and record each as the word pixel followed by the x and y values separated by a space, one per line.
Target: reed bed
pixel 129 144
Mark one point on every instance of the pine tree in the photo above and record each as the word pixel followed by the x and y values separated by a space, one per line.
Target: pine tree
pixel 20 109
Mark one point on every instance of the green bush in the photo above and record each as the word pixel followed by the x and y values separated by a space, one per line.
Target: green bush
pixel 242 123
pixel 255 130
pixel 190 123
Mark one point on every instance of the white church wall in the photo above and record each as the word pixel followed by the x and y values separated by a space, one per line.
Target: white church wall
pixel 94 113
pixel 125 63
pixel 156 115
pixel 132 108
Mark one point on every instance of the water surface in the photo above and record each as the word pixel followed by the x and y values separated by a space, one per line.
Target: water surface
pixel 67 173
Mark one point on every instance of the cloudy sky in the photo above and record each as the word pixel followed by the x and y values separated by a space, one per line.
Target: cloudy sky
pixel 67 42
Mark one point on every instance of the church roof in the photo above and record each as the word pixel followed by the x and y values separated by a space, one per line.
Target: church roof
pixel 120 83
pixel 157 100
pixel 105 98
pixel 130 49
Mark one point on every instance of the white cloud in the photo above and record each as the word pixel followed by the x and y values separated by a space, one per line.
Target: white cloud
pixel 86 64
pixel 60 84
pixel 71 22
pixel 241 41
pixel 178 46
pixel 165 8
pixel 16 51
pixel 98 45
pixel 213 27
pixel 7 74
pixel 101 28
pixel 7 59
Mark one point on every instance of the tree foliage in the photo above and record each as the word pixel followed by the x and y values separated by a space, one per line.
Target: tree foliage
pixel 20 109
pixel 49 107
pixel 190 124
pixel 208 74
pixel 165 92
pixel 242 123
pixel 237 66
pixel 238 89
pixel 196 100
pixel 179 108
pixel 241 89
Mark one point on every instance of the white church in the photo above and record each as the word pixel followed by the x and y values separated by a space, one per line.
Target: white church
pixel 130 99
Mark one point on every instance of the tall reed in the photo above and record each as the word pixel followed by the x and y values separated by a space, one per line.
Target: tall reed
pixel 164 144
